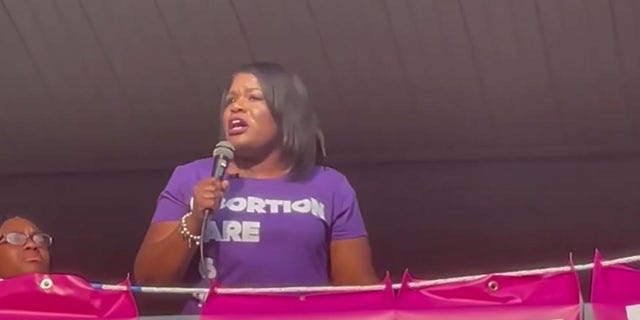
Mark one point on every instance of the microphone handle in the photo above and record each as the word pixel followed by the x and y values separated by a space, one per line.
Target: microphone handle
pixel 220 165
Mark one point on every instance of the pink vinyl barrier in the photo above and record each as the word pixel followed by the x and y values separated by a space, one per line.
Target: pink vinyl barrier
pixel 545 297
pixel 615 291
pixel 368 305
pixel 58 296
pixel 551 296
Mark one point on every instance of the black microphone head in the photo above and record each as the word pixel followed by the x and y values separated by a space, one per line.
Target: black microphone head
pixel 224 149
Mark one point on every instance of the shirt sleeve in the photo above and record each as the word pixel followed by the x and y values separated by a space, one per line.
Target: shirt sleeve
pixel 347 221
pixel 173 201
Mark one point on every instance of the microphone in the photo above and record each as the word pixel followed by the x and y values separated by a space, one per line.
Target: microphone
pixel 222 155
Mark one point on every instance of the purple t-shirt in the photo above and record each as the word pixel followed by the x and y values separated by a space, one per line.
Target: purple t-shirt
pixel 268 232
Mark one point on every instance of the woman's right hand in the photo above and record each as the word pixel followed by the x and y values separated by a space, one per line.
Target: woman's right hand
pixel 163 258
pixel 207 195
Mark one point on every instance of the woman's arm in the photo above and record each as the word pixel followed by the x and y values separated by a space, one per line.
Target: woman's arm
pixel 165 255
pixel 351 262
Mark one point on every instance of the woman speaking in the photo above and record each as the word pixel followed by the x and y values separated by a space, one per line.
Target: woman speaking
pixel 278 218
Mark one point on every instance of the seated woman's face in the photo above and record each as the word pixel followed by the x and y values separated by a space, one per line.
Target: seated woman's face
pixel 23 248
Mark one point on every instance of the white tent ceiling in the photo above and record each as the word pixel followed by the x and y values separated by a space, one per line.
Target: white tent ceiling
pixel 122 85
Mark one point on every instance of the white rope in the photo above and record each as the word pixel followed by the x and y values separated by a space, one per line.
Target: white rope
pixel 378 287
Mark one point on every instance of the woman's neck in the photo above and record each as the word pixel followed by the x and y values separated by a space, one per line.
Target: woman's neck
pixel 268 167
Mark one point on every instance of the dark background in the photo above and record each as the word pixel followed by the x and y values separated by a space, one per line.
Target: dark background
pixel 480 135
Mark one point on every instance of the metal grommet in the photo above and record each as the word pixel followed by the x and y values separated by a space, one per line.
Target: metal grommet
pixel 493 286
pixel 46 284
pixel 302 298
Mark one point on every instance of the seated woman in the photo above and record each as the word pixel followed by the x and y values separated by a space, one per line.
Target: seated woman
pixel 24 248
pixel 278 218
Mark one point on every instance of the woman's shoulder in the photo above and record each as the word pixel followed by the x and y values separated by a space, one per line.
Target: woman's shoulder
pixel 196 169
pixel 329 175
pixel 196 165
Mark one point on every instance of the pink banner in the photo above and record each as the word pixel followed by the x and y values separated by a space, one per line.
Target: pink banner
pixel 615 291
pixel 58 296
pixel 348 305
pixel 541 297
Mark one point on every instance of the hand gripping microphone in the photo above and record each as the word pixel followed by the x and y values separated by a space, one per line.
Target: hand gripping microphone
pixel 222 155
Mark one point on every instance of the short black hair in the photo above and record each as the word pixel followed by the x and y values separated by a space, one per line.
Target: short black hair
pixel 288 100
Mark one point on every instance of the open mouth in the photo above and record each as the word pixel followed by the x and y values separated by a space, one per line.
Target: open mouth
pixel 237 126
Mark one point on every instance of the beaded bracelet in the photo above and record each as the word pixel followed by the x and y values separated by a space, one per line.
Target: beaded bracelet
pixel 186 234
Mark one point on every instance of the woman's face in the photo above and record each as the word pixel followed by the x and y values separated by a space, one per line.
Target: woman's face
pixel 247 121
pixel 22 259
